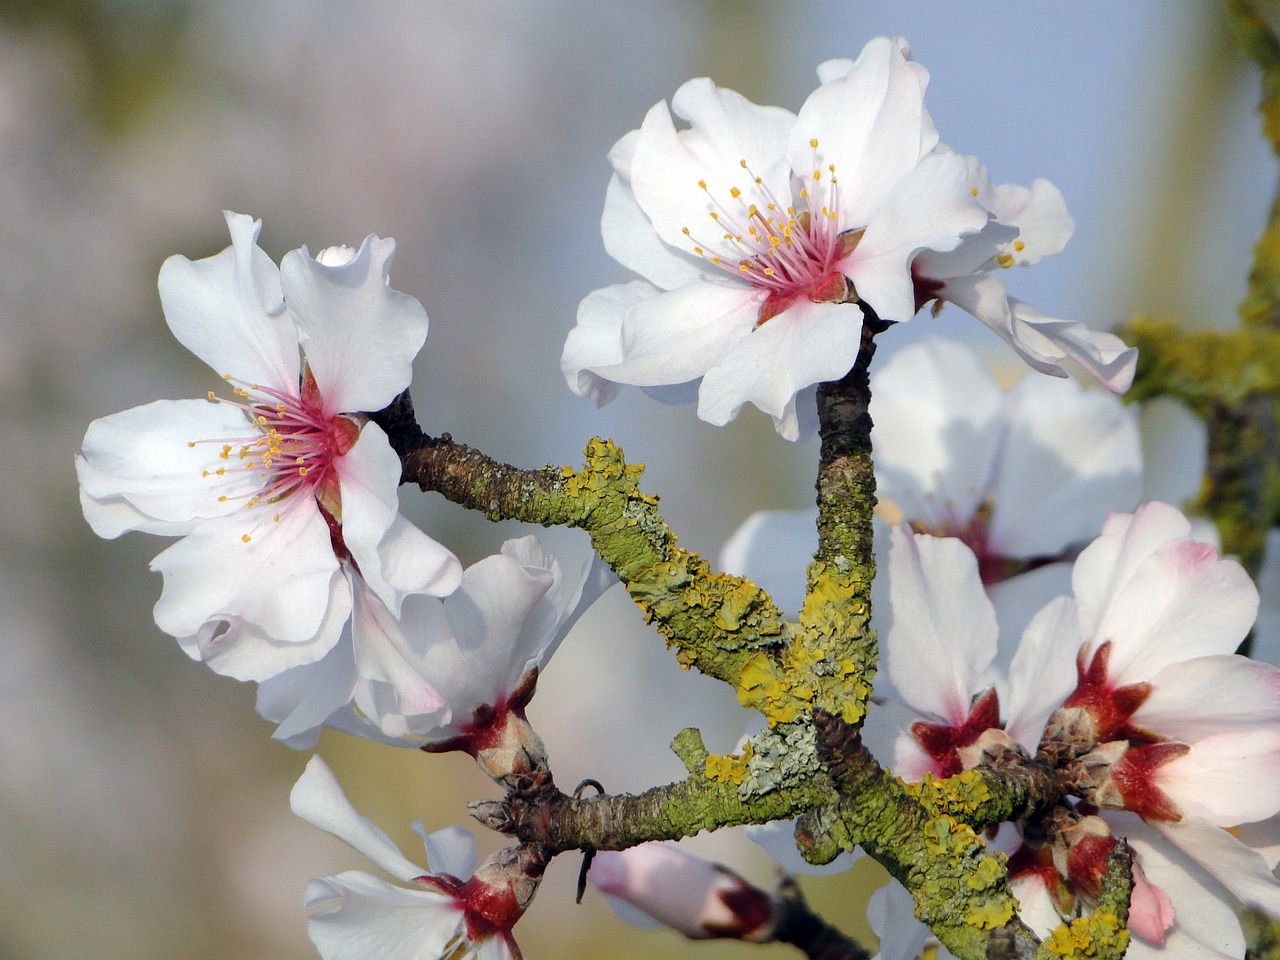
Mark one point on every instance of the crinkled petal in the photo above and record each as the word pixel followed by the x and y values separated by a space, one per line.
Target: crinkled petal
pixel 679 335
pixel 228 310
pixel 318 799
pixel 929 208
pixel 805 344
pixel 373 918
pixel 1044 342
pixel 273 573
pixel 359 335
pixel 943 635
pixel 629 238
pixel 139 469
pixel 870 123
pixel 936 414
pixel 596 340
pixel 1196 779
pixel 1191 699
pixel 772 548
pixel 1070 457
pixel 301 699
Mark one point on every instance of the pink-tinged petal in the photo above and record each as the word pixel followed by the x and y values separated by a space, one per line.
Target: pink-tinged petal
pixel 1150 909
pixel 1044 342
pixel 870 125
pixel 1182 602
pixel 772 548
pixel 1240 869
pixel 669 169
pixel 301 699
pixel 1035 905
pixel 686 893
pixel 359 335
pixel 1019 598
pixel 807 343
pixel 778 839
pixel 1039 212
pixel 629 238
pixel 1174 451
pixel 929 208
pixel 679 335
pixel 138 469
pixel 1042 673
pixel 318 799
pixel 228 310
pixel 371 918
pixel 275 574
pixel 1127 540
pixel 1249 759
pixel 943 635
pixel 935 410
pixel 1205 922
pixel 596 341
pixel 451 850
pixel 910 762
pixel 384 658
pixel 1070 457
pixel 1204 696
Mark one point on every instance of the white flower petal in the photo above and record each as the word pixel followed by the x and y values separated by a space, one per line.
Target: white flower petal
pixel 943 636
pixel 384 657
pixel 1174 451
pixel 807 343
pixel 596 340
pixel 138 469
pixel 378 919
pixel 318 799
pixel 870 123
pixel 228 310
pixel 301 699
pixel 1240 869
pixel 1070 457
pixel 1042 673
pixel 1196 780
pixel 359 335
pixel 676 336
pixel 1196 698
pixel 1044 342
pixel 629 239
pixel 272 573
pixel 1039 212
pixel 778 839
pixel 929 208
pixel 451 850
pixel 772 548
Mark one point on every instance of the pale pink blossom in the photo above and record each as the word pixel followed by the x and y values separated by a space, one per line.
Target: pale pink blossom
pixel 447 912
pixel 761 234
pixel 283 495
pixel 676 889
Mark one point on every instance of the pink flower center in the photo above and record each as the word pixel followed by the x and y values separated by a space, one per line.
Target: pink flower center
pixel 786 252
pixel 294 447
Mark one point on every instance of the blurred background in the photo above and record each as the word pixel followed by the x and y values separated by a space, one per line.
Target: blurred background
pixel 143 806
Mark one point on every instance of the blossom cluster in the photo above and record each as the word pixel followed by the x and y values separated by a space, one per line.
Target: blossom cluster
pixel 1032 610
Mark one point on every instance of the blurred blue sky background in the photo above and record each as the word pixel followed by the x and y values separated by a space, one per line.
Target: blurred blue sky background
pixel 143 808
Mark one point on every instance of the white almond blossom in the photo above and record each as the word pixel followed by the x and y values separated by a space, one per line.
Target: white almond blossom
pixel 447 912
pixel 285 496
pixel 479 651
pixel 760 235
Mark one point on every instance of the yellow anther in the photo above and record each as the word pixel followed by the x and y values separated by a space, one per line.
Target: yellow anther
pixel 742 164
pixel 1005 260
pixel 814 143
pixel 698 251
pixel 817 175
pixel 714 215
pixel 262 420
pixel 223 498
pixel 190 444
pixel 227 377
pixel 685 231
pixel 302 471
pixel 735 192
pixel 744 266
pixel 281 408
pixel 1019 245
pixel 715 259
pixel 211 395
pixel 768 271
pixel 276 518
pixel 702 184
pixel 974 191
pixel 220 472
pixel 204 473
pixel 245 538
